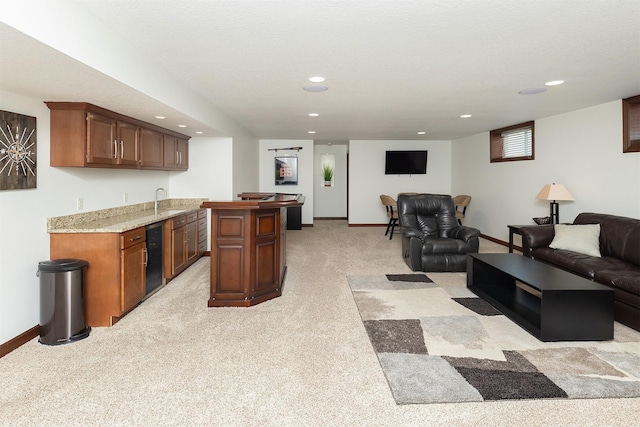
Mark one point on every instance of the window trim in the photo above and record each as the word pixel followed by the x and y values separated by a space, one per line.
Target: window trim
pixel 496 143
pixel 628 105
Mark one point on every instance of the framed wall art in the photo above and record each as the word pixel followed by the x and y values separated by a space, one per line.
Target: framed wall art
pixel 286 170
pixel 18 145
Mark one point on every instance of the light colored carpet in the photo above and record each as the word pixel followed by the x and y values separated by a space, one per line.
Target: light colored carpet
pixel 303 359
pixel 442 344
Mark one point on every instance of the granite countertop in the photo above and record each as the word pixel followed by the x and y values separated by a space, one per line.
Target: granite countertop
pixel 121 219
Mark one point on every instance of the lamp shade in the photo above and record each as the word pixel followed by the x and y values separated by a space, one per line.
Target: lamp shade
pixel 554 192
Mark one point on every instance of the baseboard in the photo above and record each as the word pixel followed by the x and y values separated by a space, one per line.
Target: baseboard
pixel 16 342
pixel 500 242
pixel 341 218
pixel 368 225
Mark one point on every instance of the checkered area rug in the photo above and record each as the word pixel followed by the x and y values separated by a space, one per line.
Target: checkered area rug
pixel 437 342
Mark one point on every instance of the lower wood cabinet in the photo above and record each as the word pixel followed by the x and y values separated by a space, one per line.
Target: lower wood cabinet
pixel 183 241
pixel 115 278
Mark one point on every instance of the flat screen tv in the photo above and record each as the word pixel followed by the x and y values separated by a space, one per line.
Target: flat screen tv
pixel 406 162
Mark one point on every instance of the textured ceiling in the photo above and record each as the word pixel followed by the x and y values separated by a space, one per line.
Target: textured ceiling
pixel 393 68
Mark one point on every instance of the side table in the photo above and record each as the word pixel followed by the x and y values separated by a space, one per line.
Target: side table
pixel 515 229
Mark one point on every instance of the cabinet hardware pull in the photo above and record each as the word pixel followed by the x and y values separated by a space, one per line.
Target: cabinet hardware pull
pixel 133 239
pixel 115 149
pixel 121 149
pixel 146 257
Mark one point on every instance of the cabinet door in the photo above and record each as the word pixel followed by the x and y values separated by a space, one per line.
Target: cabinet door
pixel 182 147
pixel 170 152
pixel 192 241
pixel 151 148
pixel 127 142
pixel 176 153
pixel 179 246
pixel 101 139
pixel 202 236
pixel 132 286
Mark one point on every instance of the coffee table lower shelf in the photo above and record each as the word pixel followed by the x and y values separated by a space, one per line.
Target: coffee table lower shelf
pixel 549 303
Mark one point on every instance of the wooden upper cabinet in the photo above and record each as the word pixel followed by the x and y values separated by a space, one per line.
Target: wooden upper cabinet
pixel 176 153
pixel 151 149
pixel 85 135
pixel 127 143
pixel 101 140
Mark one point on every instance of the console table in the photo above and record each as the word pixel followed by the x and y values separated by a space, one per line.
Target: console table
pixel 550 303
pixel 248 248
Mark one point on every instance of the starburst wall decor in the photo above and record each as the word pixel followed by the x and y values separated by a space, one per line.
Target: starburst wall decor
pixel 18 146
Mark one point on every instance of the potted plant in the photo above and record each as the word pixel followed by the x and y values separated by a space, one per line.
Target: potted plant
pixel 327 174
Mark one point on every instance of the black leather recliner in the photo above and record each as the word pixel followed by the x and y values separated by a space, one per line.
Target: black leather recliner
pixel 432 240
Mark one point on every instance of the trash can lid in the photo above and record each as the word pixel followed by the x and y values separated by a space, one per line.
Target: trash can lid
pixel 56 265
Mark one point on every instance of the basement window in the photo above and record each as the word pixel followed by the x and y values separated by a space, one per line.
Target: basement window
pixel 512 143
pixel 631 124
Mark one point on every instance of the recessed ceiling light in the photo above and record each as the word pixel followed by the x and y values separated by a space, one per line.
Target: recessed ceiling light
pixel 199 132
pixel 554 83
pixel 160 117
pixel 316 79
pixel 311 131
pixel 182 126
pixel 315 88
pixel 421 132
pixel 532 91
pixel 465 116
pixel 313 114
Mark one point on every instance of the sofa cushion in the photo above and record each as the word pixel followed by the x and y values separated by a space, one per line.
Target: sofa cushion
pixel 628 280
pixel 583 265
pixel 583 239
pixel 619 236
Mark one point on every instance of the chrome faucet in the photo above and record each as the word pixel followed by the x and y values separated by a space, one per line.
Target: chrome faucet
pixel 155 205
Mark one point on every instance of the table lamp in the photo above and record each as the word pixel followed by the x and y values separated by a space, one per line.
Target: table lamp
pixel 554 192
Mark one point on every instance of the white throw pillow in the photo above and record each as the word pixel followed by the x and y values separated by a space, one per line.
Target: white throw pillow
pixel 581 238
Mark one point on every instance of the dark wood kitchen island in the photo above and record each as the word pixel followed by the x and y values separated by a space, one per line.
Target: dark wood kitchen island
pixel 248 248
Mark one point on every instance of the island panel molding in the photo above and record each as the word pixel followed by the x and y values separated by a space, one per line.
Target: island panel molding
pixel 248 248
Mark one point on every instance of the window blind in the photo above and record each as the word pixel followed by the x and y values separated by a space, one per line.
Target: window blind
pixel 517 143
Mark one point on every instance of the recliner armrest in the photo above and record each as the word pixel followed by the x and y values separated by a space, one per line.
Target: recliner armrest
pixel 463 233
pixel 411 232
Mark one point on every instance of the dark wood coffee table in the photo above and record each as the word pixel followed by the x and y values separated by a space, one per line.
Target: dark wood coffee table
pixel 550 303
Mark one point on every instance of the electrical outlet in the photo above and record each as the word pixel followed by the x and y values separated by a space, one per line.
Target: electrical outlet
pixel 80 203
pixel 126 197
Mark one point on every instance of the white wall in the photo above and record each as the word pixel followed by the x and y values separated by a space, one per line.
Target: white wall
pixel 581 150
pixel 330 202
pixel 245 164
pixel 210 170
pixel 367 180
pixel 305 171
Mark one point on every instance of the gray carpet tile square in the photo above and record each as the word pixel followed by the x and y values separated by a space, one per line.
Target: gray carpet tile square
pixel 363 284
pixel 499 384
pixel 409 278
pixel 418 378
pixel 396 336
pixel 478 305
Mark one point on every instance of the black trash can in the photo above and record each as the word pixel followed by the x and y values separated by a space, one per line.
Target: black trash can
pixel 62 301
